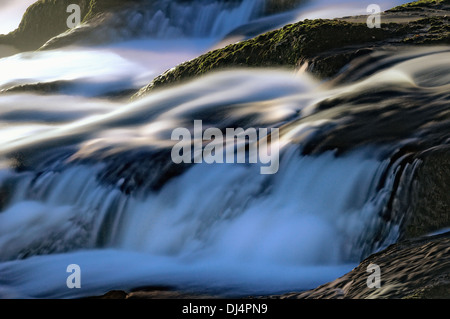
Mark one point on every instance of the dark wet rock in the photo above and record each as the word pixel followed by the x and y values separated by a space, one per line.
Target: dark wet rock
pixel 140 171
pixel 5 195
pixel 428 206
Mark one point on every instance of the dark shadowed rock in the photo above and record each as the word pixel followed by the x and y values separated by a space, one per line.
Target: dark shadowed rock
pixel 428 208
pixel 152 293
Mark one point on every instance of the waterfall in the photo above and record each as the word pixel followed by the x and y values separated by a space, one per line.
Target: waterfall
pixel 318 211
pixel 164 19
pixel 174 19
pixel 90 181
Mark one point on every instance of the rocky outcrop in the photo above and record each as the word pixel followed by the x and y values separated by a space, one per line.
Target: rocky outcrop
pixel 32 33
pixel 413 269
pixel 326 46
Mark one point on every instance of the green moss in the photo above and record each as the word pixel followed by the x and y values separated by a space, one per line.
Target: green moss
pixel 419 4
pixel 287 47
pixel 432 30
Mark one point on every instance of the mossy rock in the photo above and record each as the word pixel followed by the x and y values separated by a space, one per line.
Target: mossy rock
pixel 32 33
pixel 46 19
pixel 326 45
pixel 287 47
pixel 422 4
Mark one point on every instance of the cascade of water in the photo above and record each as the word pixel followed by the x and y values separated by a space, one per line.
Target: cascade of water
pixel 314 213
pixel 193 19
pixel 74 198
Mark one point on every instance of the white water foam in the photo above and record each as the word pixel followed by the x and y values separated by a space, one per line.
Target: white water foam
pixel 229 233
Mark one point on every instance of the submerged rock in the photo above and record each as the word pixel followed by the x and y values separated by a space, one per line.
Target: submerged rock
pixel 33 33
pixel 428 207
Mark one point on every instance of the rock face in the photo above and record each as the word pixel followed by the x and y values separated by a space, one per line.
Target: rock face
pixel 428 207
pixel 326 46
pixel 418 269
pixel 46 19
pixel 32 33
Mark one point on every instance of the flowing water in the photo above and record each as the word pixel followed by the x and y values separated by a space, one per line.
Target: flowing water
pixel 89 180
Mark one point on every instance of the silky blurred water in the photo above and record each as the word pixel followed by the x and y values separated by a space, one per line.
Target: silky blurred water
pixel 87 179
